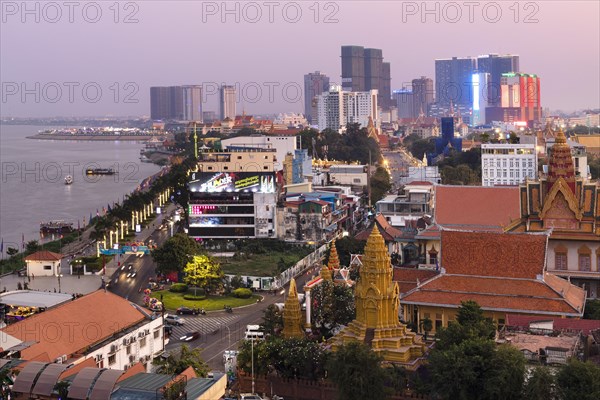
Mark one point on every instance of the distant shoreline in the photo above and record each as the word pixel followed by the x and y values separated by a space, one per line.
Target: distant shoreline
pixel 92 138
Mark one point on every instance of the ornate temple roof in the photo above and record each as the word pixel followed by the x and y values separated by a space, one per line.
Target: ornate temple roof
pixel 560 163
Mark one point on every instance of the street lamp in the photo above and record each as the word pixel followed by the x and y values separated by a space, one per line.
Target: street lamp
pixel 252 341
pixel 59 276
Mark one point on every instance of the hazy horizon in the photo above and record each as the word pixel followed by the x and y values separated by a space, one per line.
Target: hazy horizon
pixel 156 43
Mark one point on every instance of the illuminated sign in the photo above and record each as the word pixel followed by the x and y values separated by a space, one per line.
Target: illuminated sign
pixel 207 182
pixel 475 92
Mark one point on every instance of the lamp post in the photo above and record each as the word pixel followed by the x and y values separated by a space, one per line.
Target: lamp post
pixel 59 276
pixel 252 341
pixel 171 224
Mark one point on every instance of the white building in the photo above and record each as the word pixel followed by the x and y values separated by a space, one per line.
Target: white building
pixel 337 108
pixel 354 175
pixel 192 103
pixel 101 327
pixel 227 102
pixel 291 120
pixel 281 144
pixel 507 164
pixel 43 263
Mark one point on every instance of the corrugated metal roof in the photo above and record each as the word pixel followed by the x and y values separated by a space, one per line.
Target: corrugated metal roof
pixel 146 381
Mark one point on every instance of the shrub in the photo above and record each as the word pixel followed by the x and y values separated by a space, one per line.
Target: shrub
pixel 242 293
pixel 178 288
pixel 194 297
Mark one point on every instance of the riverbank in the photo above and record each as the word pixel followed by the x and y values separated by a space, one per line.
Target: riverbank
pixel 92 138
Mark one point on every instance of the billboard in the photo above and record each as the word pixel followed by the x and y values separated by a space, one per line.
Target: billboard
pixel 211 182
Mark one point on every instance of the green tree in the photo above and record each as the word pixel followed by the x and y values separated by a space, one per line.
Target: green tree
pixel 541 385
pixel 62 388
pixel 380 184
pixel 332 306
pixel 32 246
pixel 426 326
pixel 592 309
pixel 579 381
pixel 357 372
pixel 177 362
pixel 470 324
pixel 202 271
pixel 11 251
pixel 237 282
pixel 175 253
pixel 345 247
pixel 272 320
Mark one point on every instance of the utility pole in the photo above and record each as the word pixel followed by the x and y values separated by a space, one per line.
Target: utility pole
pixel 369 179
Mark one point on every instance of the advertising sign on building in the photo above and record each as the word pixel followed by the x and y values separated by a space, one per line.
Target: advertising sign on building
pixel 232 182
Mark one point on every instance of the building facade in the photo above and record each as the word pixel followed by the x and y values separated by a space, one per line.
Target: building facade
pixel 227 102
pixel 507 164
pixel 422 89
pixel 338 108
pixel 192 103
pixel 404 103
pixel 453 80
pixel 315 83
pixel 180 103
pixel 496 65
pixel 520 99
pixel 364 70
pixel 233 194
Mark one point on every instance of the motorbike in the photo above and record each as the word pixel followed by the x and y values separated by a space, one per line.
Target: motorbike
pixel 228 309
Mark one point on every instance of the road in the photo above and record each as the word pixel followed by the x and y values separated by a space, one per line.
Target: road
pixel 398 162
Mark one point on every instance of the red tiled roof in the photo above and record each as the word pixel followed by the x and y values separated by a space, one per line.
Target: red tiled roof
pixel 407 277
pixel 44 255
pixel 482 208
pixel 583 325
pixel 507 295
pixel 75 325
pixel 510 255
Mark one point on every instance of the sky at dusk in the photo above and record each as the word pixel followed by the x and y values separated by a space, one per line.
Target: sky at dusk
pixel 56 59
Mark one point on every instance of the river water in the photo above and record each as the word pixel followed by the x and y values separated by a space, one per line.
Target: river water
pixel 32 188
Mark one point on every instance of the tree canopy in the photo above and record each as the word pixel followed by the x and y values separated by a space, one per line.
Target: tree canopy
pixel 380 184
pixel 177 362
pixel 175 253
pixel 204 272
pixel 332 306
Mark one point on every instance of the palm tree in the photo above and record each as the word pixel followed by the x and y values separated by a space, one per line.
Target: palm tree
pixel 426 325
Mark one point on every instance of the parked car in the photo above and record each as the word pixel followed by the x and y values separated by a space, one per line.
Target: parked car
pixel 174 320
pixel 190 336
pixel 249 396
pixel 186 310
pixel 22 272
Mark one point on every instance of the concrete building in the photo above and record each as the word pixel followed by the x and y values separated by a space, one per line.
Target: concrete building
pixel 315 83
pixel 100 326
pixel 404 103
pixel 227 102
pixel 520 99
pixel 337 108
pixel 507 164
pixel 415 201
pixel 495 65
pixel 352 175
pixel 364 70
pixel 453 80
pixel 233 194
pixel 43 263
pixel 422 89
pixel 481 95
pixel 281 144
pixel 192 103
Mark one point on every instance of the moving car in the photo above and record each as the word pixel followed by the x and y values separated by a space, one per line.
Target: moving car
pixel 188 337
pixel 132 274
pixel 186 310
pixel 174 320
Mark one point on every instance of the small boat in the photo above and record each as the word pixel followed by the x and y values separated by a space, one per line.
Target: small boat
pixel 100 171
pixel 68 180
pixel 56 227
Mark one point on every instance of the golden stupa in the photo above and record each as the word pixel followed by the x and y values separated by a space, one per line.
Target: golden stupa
pixel 292 315
pixel 377 300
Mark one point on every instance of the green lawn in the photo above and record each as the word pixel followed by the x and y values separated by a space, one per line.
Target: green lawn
pixel 257 264
pixel 172 301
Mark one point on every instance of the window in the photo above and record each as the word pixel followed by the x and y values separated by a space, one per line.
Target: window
pixel 560 259
pixel 47 267
pixel 143 342
pixel 239 157
pixel 438 321
pixel 585 262
pixel 356 180
pixel 128 350
pixel 112 359
pixel 157 334
pixel 225 167
pixel 266 167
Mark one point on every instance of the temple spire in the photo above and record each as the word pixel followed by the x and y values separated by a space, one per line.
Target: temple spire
pixel 334 260
pixel 326 273
pixel 292 315
pixel 560 163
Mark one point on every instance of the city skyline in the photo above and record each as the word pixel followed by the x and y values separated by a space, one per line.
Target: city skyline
pixel 269 68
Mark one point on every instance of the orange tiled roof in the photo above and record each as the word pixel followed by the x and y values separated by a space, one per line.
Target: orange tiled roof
pixel 509 255
pixel 44 255
pixel 476 207
pixel 583 325
pixel 88 362
pixel 407 277
pixel 73 326
pixel 508 295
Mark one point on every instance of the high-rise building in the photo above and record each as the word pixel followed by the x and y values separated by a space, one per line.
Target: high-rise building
pixel 181 103
pixel 338 108
pixel 315 83
pixel 364 70
pixel 192 103
pixel 422 90
pixel 227 102
pixel 453 80
pixel 480 93
pixel 519 99
pixel 496 65
pixel 404 103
